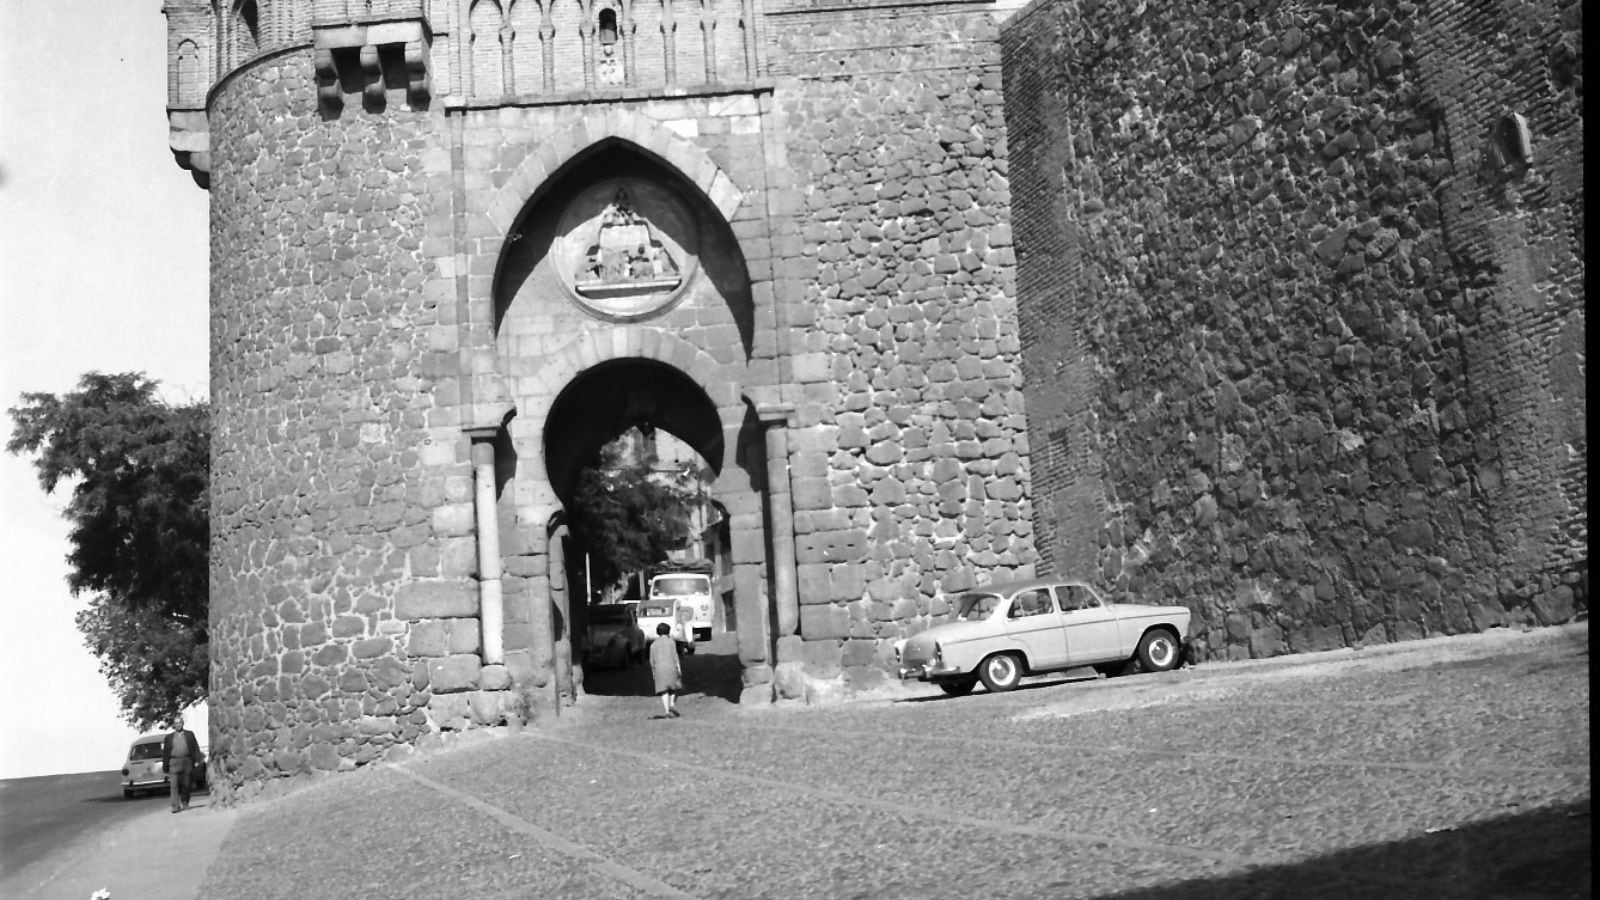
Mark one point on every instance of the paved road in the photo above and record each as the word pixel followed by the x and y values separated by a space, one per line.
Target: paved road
pixel 65 836
pixel 39 814
pixel 1455 768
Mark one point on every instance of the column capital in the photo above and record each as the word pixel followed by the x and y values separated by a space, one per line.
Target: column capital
pixel 775 414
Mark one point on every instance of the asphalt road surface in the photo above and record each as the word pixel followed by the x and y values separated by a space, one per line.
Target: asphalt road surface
pixel 66 837
pixel 39 815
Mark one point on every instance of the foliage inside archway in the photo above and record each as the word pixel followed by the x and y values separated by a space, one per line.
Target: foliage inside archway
pixel 629 512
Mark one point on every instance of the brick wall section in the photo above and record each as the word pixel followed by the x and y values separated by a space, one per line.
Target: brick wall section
pixel 909 459
pixel 1311 354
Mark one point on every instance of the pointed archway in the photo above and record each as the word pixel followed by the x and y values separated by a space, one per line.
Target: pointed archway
pixel 622 297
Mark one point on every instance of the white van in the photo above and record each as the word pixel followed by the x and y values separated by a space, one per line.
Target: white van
pixel 680 599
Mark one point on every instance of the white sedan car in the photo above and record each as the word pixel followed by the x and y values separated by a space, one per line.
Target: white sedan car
pixel 1001 632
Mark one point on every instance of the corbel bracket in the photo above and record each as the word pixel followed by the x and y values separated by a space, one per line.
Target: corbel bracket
pixel 371 57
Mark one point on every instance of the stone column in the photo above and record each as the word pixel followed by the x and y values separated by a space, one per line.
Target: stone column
pixel 708 34
pixel 586 32
pixel 749 37
pixel 508 59
pixel 785 593
pixel 491 608
pixel 627 27
pixel 461 50
pixel 669 51
pixel 547 47
pixel 542 687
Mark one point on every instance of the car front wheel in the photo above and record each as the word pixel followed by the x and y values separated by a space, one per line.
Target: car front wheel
pixel 1158 651
pixel 958 688
pixel 1001 672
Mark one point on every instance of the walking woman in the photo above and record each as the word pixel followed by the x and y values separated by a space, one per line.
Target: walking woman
pixel 664 667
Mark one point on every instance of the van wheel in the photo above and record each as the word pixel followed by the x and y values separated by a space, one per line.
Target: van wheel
pixel 127 793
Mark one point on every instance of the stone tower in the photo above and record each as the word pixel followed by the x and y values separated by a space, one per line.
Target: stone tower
pixel 457 244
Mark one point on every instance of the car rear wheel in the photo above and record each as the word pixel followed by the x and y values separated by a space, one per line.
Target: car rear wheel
pixel 127 793
pixel 958 688
pixel 1158 651
pixel 1001 672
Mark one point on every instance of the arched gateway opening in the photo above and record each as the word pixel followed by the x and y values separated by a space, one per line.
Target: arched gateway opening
pixel 656 420
pixel 623 306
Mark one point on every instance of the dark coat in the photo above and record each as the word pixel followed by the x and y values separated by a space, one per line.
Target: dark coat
pixel 194 747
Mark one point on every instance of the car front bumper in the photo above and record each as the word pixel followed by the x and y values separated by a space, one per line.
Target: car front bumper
pixel 930 671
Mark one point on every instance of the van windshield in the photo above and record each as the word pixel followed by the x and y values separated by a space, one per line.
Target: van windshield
pixel 679 586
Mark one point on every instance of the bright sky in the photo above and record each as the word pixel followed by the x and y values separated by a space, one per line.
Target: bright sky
pixel 103 267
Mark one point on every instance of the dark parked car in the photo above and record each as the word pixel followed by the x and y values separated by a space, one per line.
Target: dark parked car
pixel 615 638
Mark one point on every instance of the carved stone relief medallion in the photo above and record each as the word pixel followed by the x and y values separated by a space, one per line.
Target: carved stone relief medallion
pixel 626 248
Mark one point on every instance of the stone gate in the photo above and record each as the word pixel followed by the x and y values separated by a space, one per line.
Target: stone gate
pixel 456 244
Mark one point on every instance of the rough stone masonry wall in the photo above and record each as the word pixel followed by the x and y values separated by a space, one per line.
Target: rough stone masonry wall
pixel 909 455
pixel 1302 354
pixel 341 595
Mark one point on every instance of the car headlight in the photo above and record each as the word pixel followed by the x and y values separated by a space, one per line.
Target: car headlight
pixel 938 654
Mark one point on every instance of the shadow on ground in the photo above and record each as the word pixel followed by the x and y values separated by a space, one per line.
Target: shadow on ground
pixel 712 674
pixel 1538 855
pixel 162 795
pixel 1033 683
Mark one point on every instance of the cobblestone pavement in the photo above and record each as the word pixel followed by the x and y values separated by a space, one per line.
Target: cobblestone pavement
pixel 1448 768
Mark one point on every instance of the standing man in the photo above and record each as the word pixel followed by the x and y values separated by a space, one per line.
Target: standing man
pixel 179 752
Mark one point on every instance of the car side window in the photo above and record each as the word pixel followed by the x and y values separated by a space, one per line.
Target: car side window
pixel 1030 603
pixel 1075 597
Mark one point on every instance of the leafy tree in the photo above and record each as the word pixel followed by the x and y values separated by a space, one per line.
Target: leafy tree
pixel 627 513
pixel 140 534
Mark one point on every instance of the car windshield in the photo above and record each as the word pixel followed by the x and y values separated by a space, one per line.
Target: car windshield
pixel 678 587
pixel 976 607
pixel 150 750
pixel 608 614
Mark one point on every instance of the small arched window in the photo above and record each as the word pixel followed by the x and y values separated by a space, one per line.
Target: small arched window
pixel 608 27
pixel 188 91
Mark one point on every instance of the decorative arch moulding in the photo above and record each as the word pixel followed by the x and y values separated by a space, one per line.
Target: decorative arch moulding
pixel 689 159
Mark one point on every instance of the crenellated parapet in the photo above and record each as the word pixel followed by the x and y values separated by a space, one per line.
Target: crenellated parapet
pixel 477 53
